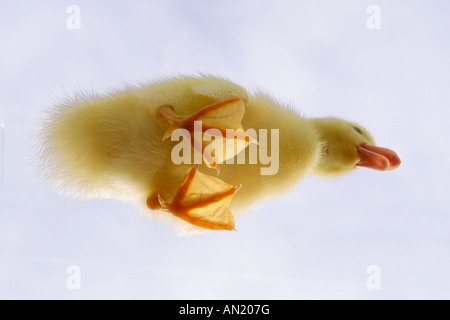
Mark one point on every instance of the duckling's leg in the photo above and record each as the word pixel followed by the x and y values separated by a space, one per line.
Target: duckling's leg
pixel 220 120
pixel 202 200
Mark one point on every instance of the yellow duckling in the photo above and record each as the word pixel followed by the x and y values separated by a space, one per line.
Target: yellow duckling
pixel 193 149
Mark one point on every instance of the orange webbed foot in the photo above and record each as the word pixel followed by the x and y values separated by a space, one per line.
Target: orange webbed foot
pixel 220 120
pixel 201 200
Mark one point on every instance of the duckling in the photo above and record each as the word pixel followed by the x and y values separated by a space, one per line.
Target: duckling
pixel 122 146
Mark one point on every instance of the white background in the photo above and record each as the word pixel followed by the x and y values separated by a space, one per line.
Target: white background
pixel 317 241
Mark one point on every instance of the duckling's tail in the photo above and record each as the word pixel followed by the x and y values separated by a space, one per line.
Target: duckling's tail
pixel 76 141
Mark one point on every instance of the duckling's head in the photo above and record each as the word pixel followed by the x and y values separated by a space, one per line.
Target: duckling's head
pixel 347 146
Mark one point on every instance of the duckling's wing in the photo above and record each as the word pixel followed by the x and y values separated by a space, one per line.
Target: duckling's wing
pixel 222 136
pixel 201 200
pixel 220 90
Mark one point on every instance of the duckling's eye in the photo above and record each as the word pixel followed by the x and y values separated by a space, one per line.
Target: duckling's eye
pixel 357 130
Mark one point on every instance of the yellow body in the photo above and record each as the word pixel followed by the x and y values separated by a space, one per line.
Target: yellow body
pixel 111 146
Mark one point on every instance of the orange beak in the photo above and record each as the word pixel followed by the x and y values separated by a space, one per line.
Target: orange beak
pixel 381 159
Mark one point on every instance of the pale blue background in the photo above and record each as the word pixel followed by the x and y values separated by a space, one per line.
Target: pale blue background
pixel 316 242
